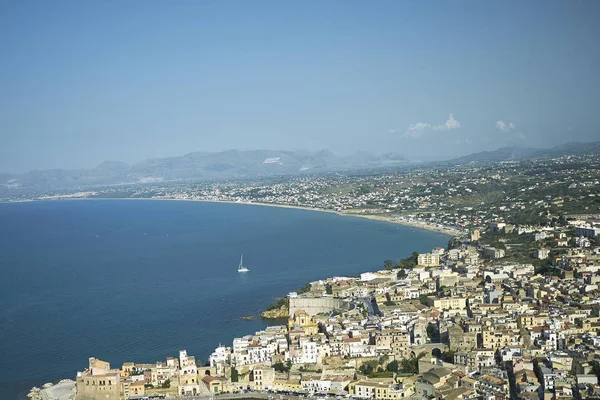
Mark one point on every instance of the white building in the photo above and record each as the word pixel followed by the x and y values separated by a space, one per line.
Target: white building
pixel 221 355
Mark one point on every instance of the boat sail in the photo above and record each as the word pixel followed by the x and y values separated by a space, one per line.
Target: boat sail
pixel 241 267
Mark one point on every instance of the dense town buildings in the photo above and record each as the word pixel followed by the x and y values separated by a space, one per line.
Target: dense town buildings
pixel 448 329
pixel 510 309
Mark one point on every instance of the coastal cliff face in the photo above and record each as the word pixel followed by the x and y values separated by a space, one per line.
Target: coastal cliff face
pixel 276 313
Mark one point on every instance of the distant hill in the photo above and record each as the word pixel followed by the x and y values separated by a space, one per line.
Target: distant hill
pixel 519 153
pixel 197 165
pixel 247 164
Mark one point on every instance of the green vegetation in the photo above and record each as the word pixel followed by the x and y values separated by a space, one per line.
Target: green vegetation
pixel 392 367
pixel 406 263
pixel 432 333
pixel 235 376
pixel 166 384
pixel 544 267
pixel 389 303
pixel 281 367
pixel 448 356
pixel 409 262
pixel 423 299
pixel 373 368
pixel 304 289
pixel 381 374
pixel 411 365
pixel 454 243
pixel 278 304
pixel 328 289
pixel 444 291
pixel 368 367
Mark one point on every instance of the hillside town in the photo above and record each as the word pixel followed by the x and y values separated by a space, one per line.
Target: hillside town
pixel 449 198
pixel 463 322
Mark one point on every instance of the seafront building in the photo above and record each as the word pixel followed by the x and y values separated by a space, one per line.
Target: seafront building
pixel 429 260
pixel 98 381
pixel 461 323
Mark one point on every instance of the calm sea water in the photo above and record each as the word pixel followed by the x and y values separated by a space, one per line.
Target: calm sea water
pixel 139 280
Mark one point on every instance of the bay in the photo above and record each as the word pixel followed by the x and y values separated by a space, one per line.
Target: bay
pixel 138 280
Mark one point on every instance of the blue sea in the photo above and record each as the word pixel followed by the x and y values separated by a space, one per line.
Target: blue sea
pixel 137 280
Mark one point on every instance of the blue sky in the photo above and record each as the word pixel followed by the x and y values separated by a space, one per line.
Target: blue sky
pixel 82 82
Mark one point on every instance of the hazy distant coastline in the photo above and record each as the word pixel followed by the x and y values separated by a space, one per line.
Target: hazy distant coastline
pixel 376 217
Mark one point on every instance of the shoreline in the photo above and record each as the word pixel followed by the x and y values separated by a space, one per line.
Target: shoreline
pixel 374 217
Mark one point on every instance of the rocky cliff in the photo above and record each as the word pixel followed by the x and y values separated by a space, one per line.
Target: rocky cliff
pixel 276 313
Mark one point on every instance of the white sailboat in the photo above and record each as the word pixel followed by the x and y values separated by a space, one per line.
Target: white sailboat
pixel 241 267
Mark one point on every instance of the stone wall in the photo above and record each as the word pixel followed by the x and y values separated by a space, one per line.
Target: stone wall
pixel 317 305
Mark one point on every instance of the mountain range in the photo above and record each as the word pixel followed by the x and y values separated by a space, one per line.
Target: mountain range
pixel 228 164
pixel 232 164
pixel 522 153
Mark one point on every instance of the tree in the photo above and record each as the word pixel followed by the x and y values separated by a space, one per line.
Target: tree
pixel 431 331
pixel 448 356
pixel 279 303
pixel 401 274
pixel 304 289
pixel 368 367
pixel 410 366
pixel 281 367
pixel 409 262
pixel 423 299
pixel 387 264
pixel 454 243
pixel 328 289
pixel 234 375
pixel 166 384
pixel 392 367
pixel 383 359
pixel 443 291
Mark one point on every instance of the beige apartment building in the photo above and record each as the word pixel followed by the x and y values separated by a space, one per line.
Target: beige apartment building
pixel 493 339
pixel 428 260
pixel 98 382
pixel 395 340
pixel 263 378
pixel 531 320
pixel 447 303
pixel 461 340
pixel 377 389
pixel 188 375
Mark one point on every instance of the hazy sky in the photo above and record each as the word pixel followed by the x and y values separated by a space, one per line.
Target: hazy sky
pixel 86 81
